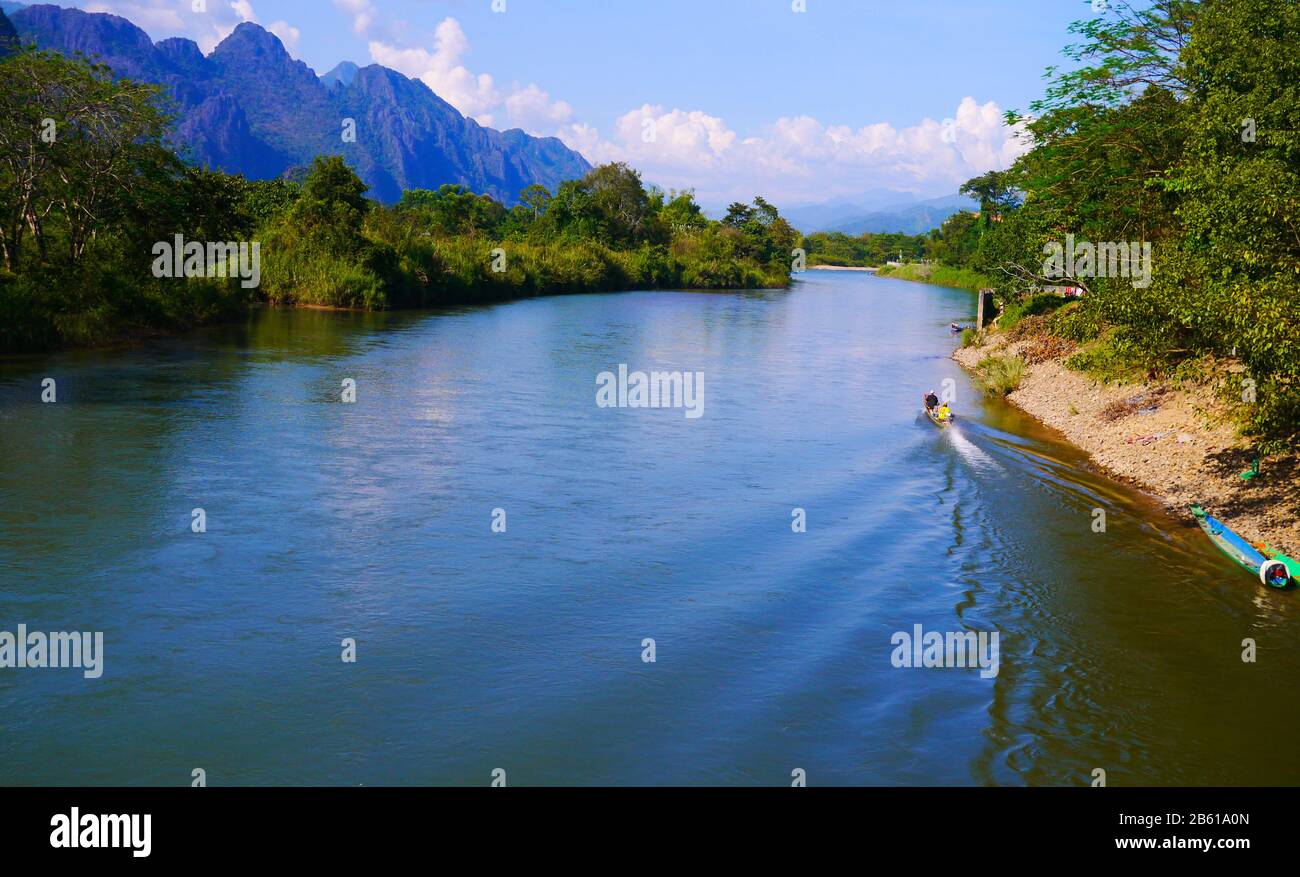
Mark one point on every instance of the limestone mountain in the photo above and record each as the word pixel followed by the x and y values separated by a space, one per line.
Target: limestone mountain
pixel 250 108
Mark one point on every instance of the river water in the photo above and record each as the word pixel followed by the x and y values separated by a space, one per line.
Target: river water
pixel 525 650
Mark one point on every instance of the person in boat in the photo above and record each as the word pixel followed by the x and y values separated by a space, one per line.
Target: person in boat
pixel 945 413
pixel 931 401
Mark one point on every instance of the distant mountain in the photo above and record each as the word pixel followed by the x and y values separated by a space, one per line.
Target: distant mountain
pixel 824 215
pixel 9 7
pixel 342 74
pixel 915 218
pixel 8 36
pixel 250 108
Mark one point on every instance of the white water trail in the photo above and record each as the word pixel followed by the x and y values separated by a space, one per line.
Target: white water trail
pixel 973 455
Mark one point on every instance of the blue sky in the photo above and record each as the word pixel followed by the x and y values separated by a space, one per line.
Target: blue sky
pixel 729 97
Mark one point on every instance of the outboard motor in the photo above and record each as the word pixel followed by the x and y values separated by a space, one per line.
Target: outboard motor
pixel 1274 573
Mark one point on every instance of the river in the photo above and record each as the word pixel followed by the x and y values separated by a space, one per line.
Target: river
pixel 526 650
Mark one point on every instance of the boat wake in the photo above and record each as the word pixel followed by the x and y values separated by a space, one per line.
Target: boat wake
pixel 970 452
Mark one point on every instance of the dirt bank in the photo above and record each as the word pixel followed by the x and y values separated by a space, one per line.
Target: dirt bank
pixel 1174 442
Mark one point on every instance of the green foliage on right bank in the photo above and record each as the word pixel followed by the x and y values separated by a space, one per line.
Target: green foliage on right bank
pixel 1175 128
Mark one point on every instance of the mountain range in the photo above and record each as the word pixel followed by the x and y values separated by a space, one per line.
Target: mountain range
pixel 915 218
pixel 879 212
pixel 250 108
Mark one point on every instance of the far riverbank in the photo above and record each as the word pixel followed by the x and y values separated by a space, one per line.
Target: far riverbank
pixel 939 275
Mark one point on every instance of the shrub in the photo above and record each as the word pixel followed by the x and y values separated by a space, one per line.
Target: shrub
pixel 28 322
pixel 1001 374
pixel 1016 310
pixel 1078 321
pixel 1107 360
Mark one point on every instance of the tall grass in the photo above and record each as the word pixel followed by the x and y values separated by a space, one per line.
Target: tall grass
pixel 397 271
pixel 1001 375
pixel 939 275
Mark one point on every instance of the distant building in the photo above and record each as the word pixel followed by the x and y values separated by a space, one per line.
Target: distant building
pixel 1063 291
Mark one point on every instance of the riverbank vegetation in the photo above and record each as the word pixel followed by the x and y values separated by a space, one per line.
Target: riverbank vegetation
pixel 937 274
pixel 90 190
pixel 926 258
pixel 864 251
pixel 1174 136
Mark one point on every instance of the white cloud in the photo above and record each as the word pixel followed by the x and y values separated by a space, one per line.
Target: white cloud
pixel 533 110
pixel 362 12
pixel 441 69
pixel 682 138
pixel 793 159
pixel 145 14
pixel 799 158
pixel 208 25
pixel 582 137
pixel 288 34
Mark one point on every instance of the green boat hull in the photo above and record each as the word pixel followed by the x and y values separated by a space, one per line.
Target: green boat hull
pixel 1249 557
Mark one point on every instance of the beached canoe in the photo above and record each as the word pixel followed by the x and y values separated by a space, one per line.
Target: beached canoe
pixel 1273 568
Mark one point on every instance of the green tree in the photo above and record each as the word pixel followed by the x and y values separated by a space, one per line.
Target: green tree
pixel 454 210
pixel 681 215
pixel 1233 280
pixel 609 204
pixel 332 206
pixel 75 146
pixel 996 192
pixel 536 198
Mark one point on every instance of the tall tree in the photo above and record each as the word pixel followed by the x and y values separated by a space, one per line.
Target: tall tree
pixel 75 145
pixel 1239 181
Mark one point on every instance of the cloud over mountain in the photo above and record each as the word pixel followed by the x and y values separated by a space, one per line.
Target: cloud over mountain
pixel 791 158
pixel 800 158
pixel 248 107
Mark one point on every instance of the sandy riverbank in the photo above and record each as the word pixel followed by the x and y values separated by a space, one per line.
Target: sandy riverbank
pixel 1175 443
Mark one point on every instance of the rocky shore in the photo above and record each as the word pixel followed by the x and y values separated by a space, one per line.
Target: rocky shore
pixel 1175 442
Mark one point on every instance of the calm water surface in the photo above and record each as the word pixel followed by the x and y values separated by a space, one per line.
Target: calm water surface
pixel 522 650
